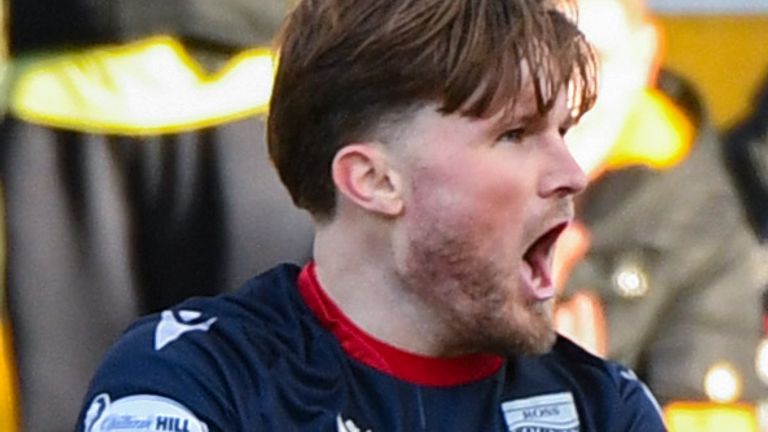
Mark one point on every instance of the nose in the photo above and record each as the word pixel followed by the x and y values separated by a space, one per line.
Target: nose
pixel 562 174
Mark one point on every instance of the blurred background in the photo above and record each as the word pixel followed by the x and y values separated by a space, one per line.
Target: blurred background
pixel 133 174
pixel 718 46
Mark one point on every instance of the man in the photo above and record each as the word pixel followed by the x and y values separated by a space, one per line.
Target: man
pixel 671 256
pixel 426 140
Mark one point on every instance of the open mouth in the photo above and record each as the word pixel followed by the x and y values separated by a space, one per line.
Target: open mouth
pixel 538 259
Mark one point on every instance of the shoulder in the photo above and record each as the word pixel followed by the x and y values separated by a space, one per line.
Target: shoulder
pixel 606 385
pixel 261 304
pixel 200 360
pixel 613 377
pixel 568 352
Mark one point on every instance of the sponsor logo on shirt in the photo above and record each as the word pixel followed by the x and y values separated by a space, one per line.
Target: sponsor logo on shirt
pixel 554 412
pixel 140 413
pixel 172 327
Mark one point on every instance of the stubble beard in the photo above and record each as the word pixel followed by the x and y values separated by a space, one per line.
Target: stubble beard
pixel 478 303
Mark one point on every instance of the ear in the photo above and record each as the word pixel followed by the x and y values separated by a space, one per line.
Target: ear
pixel 364 175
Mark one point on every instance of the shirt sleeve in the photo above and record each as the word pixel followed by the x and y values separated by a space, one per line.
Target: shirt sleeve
pixel 172 385
pixel 641 411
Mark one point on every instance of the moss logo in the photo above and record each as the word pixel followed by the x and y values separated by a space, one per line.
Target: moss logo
pixel 546 413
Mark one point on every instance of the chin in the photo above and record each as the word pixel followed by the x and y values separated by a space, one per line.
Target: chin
pixel 542 344
pixel 532 346
pixel 537 335
pixel 528 340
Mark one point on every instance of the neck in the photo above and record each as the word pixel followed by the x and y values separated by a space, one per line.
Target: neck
pixel 358 273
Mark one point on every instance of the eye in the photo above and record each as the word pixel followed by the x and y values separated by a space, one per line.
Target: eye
pixel 513 135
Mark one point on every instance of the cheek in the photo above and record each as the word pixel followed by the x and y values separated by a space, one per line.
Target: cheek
pixel 477 192
pixel 435 194
pixel 484 209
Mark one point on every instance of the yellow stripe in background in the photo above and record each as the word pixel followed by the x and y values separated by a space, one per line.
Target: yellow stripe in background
pixel 145 88
pixel 8 407
pixel 9 415
pixel 725 56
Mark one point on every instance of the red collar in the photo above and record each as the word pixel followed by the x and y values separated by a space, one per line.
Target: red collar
pixel 414 368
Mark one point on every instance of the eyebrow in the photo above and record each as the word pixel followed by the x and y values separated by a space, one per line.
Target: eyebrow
pixel 529 116
pixel 533 116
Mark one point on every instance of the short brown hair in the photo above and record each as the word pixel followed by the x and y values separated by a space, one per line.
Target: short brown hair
pixel 346 66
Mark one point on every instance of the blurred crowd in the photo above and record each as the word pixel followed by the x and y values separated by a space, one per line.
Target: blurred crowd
pixel 134 173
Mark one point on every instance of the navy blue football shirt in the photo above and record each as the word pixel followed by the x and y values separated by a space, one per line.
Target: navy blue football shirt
pixel 278 355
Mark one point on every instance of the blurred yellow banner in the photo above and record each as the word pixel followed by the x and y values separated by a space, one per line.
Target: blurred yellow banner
pixel 710 417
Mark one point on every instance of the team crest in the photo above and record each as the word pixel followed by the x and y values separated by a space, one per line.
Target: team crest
pixel 554 412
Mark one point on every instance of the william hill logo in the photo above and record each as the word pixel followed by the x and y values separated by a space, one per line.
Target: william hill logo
pixel 546 413
pixel 171 424
pixel 150 423
pixel 140 413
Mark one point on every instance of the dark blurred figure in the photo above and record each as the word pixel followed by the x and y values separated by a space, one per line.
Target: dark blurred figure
pixel 672 257
pixel 746 150
pixel 135 175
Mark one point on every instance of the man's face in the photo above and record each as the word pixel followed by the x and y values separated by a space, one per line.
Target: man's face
pixel 485 202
